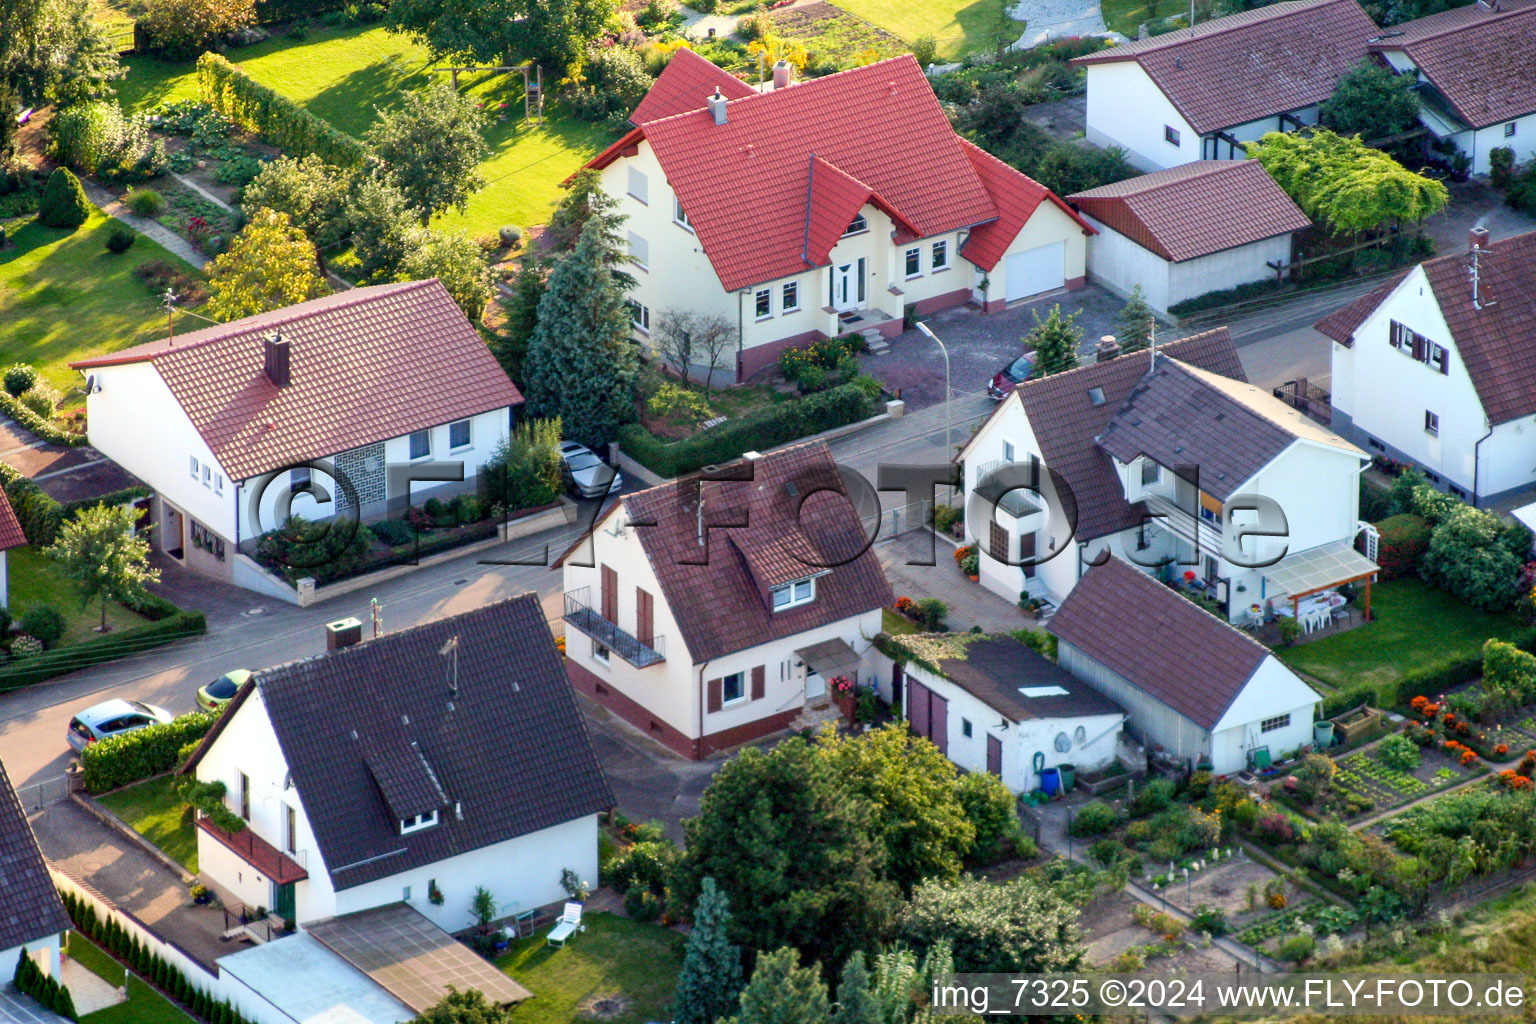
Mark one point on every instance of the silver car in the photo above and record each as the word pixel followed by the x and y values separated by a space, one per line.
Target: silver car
pixel 589 475
pixel 112 718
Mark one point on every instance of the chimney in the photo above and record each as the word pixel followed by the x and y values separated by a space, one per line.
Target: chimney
pixel 275 361
pixel 1477 238
pixel 343 633
pixel 1106 349
pixel 781 74
pixel 717 107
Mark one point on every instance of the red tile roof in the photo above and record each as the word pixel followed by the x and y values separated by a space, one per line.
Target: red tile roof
pixel 11 534
pixel 1195 209
pixel 836 198
pixel 1341 324
pixel 1482 61
pixel 684 84
pixel 746 183
pixel 257 852
pixel 789 521
pixel 367 365
pixel 1253 64
pixel 1017 197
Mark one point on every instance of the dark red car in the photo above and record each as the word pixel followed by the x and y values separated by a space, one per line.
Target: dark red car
pixel 1009 377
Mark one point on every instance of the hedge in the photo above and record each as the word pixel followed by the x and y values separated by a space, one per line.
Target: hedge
pixel 41 516
pixel 275 118
pixel 1340 701
pixel 96 650
pixel 757 431
pixel 43 428
pixel 134 756
pixel 1404 539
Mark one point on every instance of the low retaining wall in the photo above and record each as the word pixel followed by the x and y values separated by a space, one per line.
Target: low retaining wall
pixel 120 826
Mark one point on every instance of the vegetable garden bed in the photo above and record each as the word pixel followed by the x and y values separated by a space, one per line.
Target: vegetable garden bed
pixel 1365 774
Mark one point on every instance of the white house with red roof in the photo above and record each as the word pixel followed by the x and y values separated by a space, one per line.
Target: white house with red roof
pixel 817 208
pixel 333 405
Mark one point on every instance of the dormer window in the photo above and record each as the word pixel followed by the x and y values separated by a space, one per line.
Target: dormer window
pixel 1151 473
pixel 794 594
pixel 856 225
pixel 416 824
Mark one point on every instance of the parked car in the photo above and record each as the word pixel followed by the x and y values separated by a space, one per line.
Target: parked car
pixel 222 690
pixel 112 718
pixel 1010 377
pixel 588 475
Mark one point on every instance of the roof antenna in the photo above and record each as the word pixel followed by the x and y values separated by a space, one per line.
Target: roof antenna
pixel 1151 343
pixel 699 513
pixel 168 303
pixel 450 649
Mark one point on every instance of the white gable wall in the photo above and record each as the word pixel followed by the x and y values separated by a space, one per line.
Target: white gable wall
pixel 1127 109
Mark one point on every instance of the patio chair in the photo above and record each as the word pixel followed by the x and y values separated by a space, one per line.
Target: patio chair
pixel 566 926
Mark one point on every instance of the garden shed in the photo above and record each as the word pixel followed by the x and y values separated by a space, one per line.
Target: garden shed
pixel 990 703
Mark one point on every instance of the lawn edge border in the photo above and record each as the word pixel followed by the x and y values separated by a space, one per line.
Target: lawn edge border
pixel 112 821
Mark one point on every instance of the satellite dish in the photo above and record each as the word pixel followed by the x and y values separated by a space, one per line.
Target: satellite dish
pixel 91 387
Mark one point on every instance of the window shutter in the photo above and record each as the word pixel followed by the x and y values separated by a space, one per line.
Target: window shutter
pixel 759 681
pixel 1418 347
pixel 610 608
pixel 997 542
pixel 645 617
pixel 713 700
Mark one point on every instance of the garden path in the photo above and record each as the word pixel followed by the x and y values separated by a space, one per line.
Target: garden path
pixel 1365 823
pixel 113 207
pixel 88 992
pixel 1055 19
pixel 195 187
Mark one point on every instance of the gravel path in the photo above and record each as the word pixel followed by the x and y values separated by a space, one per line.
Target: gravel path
pixel 1052 19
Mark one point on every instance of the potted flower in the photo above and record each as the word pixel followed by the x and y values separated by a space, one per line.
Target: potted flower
pixel 843 692
pixel 201 895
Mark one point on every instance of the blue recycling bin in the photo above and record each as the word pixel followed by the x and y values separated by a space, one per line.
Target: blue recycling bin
pixel 1050 781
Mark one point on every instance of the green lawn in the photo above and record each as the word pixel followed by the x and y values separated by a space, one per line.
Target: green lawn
pixel 344 75
pixel 1127 16
pixel 897 625
pixel 144 1005
pixel 153 810
pixel 1414 624
pixel 63 297
pixel 613 957
pixel 35 579
pixel 960 26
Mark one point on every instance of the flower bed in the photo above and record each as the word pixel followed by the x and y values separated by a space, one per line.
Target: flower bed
pixel 1365 773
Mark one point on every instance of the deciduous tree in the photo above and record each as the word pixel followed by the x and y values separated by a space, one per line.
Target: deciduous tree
pixel 271 264
pixel 107 560
pixel 581 365
pixel 1372 102
pixel 180 28
pixel 1466 558
pixel 1344 184
pixel 504 32
pixel 381 223
pixel 310 191
pixel 710 981
pixel 55 50
pixel 455 260
pixel 431 149
pixel 468 1007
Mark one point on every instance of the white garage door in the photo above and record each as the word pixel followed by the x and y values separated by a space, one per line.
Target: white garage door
pixel 1037 270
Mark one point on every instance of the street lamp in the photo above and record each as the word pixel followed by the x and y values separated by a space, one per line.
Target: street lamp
pixel 948 441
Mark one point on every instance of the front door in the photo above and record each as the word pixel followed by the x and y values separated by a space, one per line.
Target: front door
pixel 282 900
pixel 994 755
pixel 815 686
pixel 845 287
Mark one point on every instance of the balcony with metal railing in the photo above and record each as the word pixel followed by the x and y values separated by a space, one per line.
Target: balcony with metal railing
pixel 580 614
pixel 1190 527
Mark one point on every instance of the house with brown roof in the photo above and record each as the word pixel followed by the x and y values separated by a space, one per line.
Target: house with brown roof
pixel 1181 233
pixel 1193 687
pixel 32 917
pixel 1168 460
pixel 817 208
pixel 992 704
pixel 1437 368
pixel 406 771
pixel 318 409
pixel 722 607
pixel 1200 93
pixel 1475 71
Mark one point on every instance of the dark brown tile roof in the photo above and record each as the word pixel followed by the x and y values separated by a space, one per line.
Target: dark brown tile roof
pixel 719 596
pixel 367 365
pixel 411 958
pixel 1223 430
pixel 995 671
pixel 1497 343
pixel 1163 644
pixel 1341 324
pixel 30 908
pixel 1482 61
pixel 1195 209
pixel 1253 64
pixel 510 751
pixel 11 534
pixel 1066 423
pixel 685 84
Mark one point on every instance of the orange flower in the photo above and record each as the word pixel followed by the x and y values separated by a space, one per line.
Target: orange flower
pixel 1501 750
pixel 1468 756
pixel 1418 702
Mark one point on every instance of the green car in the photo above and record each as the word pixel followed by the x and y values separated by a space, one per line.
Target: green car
pixel 222 690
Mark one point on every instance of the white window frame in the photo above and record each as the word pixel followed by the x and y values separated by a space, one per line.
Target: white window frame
pixel 858 225
pixel 639 251
pixel 196 468
pixel 1431 423
pixel 299 479
pixel 207 475
pixel 912 256
pixel 1510 128
pixel 1277 722
pixel 416 824
pixel 789 297
pixel 795 594
pixel 469 434
pixel 1173 136
pixel 938 255
pixel 741 698
pixel 762 298
pixel 1152 478
pixel 643 195
pixel 601 654
pixel 218 483
pixel 1009 454
pixel 639 315
pixel 410 445
pixel 679 215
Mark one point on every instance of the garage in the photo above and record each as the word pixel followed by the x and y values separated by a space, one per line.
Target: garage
pixel 1036 270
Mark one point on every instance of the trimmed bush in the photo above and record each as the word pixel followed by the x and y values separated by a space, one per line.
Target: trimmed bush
pixel 45 622
pixel 43 399
pixel 131 757
pixel 1340 701
pixel 106 647
pixel 120 237
pixel 63 204
pixel 144 202
pixel 277 119
pixel 1404 539
pixel 510 235
pixel 1094 819
pixel 19 379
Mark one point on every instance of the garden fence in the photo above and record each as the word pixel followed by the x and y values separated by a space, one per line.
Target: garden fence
pixel 893 522
pixel 49 791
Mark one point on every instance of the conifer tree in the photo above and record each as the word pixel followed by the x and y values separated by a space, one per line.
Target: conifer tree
pixel 855 1002
pixel 63 204
pixel 710 981
pixel 1135 322
pixel 1054 341
pixel 783 992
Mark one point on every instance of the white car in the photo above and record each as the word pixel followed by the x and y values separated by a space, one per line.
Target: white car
pixel 589 475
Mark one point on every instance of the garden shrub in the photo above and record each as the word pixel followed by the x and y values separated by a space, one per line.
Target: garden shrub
pixel 19 378
pixel 45 622
pixel 63 204
pixel 931 613
pixel 1155 796
pixel 131 757
pixel 1404 539
pixel 25 646
pixel 525 469
pixel 1398 752
pixel 989 807
pixel 392 532
pixel 1275 828
pixel 646 865
pixel 509 235
pixel 1209 919
pixel 1437 677
pixel 98 139
pixel 613 81
pixel 1297 948
pixel 180 28
pixel 1501 165
pixel 1094 818
pixel 1466 559
pixel 1340 701
pixel 278 120
pixel 120 238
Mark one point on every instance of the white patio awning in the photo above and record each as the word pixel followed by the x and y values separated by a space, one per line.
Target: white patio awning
pixel 1526 514
pixel 1327 565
